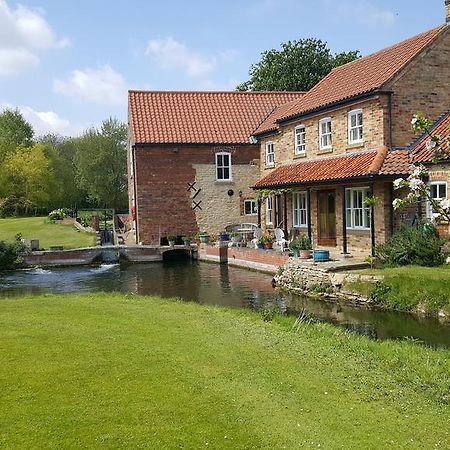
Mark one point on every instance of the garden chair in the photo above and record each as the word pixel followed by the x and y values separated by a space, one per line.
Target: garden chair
pixel 280 240
pixel 257 234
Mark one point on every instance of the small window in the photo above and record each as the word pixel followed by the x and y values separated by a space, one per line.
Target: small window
pixel 300 209
pixel 269 211
pixel 250 208
pixel 438 191
pixel 355 126
pixel 358 213
pixel 325 140
pixel 223 166
pixel 300 140
pixel 270 154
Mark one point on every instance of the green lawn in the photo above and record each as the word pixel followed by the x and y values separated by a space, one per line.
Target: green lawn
pixel 410 286
pixel 124 371
pixel 48 233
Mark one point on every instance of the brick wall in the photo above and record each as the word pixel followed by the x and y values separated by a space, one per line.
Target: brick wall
pixel 424 86
pixel 164 201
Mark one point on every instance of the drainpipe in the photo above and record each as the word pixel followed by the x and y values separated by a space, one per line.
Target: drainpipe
pixel 372 222
pixel 308 195
pixel 285 214
pixel 133 162
pixel 344 223
pixel 390 119
pixel 258 201
pixel 391 209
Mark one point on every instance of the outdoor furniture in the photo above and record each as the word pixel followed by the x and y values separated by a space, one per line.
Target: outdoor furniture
pixel 257 234
pixel 245 229
pixel 279 239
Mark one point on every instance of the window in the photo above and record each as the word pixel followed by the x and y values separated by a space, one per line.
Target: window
pixel 300 209
pixel 325 134
pixel 300 140
pixel 438 191
pixel 355 126
pixel 358 213
pixel 269 211
pixel 250 208
pixel 270 155
pixel 223 166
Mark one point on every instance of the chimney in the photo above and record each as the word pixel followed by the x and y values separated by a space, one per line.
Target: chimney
pixel 447 11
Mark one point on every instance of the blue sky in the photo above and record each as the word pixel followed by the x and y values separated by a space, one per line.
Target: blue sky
pixel 68 64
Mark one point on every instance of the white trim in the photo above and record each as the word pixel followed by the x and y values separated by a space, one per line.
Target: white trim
pixel 270 161
pixel 223 166
pixel 327 136
pixel 429 210
pixel 357 127
pixel 269 217
pixel 251 200
pixel 300 224
pixel 303 144
pixel 363 210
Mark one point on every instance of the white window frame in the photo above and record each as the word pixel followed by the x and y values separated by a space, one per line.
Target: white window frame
pixel 359 126
pixel 325 138
pixel 300 140
pixel 270 155
pixel 300 209
pixel 269 210
pixel 435 183
pixel 224 166
pixel 352 210
pixel 253 207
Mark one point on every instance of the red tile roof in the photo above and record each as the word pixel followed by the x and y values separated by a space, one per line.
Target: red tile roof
pixel 355 165
pixel 420 152
pixel 200 117
pixel 362 76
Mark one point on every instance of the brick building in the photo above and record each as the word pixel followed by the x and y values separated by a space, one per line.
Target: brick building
pixel 190 161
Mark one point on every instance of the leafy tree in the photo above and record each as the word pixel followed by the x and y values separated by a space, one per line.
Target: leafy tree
pixel 14 131
pixel 100 159
pixel 298 66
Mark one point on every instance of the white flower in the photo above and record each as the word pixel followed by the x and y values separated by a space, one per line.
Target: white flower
pixel 445 204
pixel 414 120
pixel 416 184
pixel 396 203
pixel 431 144
pixel 398 183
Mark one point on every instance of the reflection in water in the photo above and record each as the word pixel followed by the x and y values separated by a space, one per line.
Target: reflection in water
pixel 216 284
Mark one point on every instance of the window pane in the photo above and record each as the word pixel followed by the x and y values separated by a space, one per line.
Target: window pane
pixel 219 173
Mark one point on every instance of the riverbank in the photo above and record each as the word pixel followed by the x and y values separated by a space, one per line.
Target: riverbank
pixel 128 371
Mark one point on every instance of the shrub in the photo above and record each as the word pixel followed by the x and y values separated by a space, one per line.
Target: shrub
pixel 59 214
pixel 11 254
pixel 419 245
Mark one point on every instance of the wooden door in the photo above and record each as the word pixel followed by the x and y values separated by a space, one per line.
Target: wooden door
pixel 326 210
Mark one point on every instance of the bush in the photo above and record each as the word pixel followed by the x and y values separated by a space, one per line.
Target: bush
pixel 11 254
pixel 59 214
pixel 419 245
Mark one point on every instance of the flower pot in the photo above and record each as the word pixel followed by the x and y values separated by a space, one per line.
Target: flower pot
pixel 171 243
pixel 295 252
pixel 269 245
pixel 224 237
pixel 305 254
pixel 260 246
pixel 204 238
pixel 321 255
pixel 187 242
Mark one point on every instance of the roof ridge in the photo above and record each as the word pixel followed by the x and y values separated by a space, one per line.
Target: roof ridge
pixel 420 138
pixel 149 91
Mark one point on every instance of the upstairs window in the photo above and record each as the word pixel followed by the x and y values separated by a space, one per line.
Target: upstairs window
pixel 300 209
pixel 358 213
pixel 269 211
pixel 270 154
pixel 250 208
pixel 223 166
pixel 438 191
pixel 300 140
pixel 355 126
pixel 325 134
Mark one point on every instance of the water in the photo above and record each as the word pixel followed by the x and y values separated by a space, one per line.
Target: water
pixel 216 284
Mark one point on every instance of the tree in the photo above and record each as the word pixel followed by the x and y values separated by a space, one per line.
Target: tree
pixel 298 66
pixel 14 131
pixel 100 159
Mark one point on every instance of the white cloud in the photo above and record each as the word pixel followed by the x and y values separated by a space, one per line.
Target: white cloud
pixel 23 33
pixel 170 54
pixel 45 122
pixel 366 13
pixel 103 86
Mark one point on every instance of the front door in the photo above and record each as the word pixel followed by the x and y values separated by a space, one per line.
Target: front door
pixel 327 218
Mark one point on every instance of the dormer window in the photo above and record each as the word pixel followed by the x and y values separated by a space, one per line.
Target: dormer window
pixel 325 134
pixel 270 154
pixel 355 126
pixel 300 140
pixel 223 166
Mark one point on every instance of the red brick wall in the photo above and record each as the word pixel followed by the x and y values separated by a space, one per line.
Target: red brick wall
pixel 258 256
pixel 164 204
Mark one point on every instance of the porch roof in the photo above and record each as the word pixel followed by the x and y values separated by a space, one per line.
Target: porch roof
pixel 338 168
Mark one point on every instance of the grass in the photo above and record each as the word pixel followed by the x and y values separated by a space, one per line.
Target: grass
pixel 47 232
pixel 406 288
pixel 123 371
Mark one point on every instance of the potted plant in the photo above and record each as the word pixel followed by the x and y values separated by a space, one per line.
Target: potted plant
pixel 236 237
pixel 186 241
pixel 224 236
pixel 260 242
pixel 204 237
pixel 301 246
pixel 171 239
pixel 268 241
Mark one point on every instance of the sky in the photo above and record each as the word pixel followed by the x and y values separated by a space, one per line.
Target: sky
pixel 67 65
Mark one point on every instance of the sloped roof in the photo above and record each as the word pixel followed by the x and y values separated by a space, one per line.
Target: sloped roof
pixel 189 117
pixel 397 162
pixel 419 151
pixel 362 76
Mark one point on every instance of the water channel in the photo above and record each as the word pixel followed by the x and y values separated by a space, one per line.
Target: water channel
pixel 221 285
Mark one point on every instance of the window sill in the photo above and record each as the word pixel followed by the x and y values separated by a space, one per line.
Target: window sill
pixel 358 231
pixel 300 227
pixel 224 182
pixel 355 145
pixel 325 150
pixel 299 155
pixel 269 166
